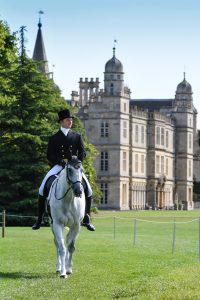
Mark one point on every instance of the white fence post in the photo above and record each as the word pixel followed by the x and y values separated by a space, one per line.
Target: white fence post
pixel 174 237
pixel 134 232
pixel 199 238
pixel 3 223
pixel 114 227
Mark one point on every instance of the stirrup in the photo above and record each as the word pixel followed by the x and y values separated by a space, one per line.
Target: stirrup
pixel 86 223
pixel 36 226
pixel 90 227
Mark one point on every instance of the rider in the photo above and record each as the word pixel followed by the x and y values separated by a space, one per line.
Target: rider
pixel 59 145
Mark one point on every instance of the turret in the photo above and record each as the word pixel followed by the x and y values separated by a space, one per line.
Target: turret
pixel 113 76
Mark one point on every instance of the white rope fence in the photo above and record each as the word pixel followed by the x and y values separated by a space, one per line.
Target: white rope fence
pixel 135 221
pixel 174 222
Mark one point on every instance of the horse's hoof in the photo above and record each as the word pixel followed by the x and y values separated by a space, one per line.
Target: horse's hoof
pixel 63 276
pixel 69 272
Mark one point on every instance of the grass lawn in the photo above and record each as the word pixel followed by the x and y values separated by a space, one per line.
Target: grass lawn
pixel 110 263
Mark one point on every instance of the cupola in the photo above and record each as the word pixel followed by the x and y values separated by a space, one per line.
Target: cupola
pixel 113 65
pixel 184 91
pixel 184 87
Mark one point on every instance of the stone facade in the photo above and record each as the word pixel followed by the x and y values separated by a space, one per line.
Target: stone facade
pixel 146 147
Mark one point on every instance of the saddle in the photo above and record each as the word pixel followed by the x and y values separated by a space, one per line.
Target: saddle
pixel 48 184
pixel 47 188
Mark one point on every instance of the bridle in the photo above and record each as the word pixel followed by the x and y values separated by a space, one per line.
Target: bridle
pixel 76 164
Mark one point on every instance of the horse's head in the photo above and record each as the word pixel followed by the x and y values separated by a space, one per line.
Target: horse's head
pixel 74 172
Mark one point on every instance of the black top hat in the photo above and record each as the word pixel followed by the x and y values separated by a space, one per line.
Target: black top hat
pixel 65 113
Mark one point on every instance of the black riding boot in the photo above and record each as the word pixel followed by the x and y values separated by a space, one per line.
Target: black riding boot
pixel 86 219
pixel 41 210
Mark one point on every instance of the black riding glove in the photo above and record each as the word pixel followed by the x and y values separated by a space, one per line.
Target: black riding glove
pixel 62 163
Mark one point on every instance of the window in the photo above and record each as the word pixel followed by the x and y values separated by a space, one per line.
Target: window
pixel 142 164
pixel 124 194
pixel 157 164
pixel 104 161
pixel 124 161
pixel 118 76
pixel 158 135
pixel 190 195
pixel 136 133
pixel 162 137
pixel 162 165
pixel 112 89
pixel 190 141
pixel 124 129
pixel 167 166
pixel 104 129
pixel 167 138
pixel 136 163
pixel 124 107
pixel 142 134
pixel 190 168
pixel 104 190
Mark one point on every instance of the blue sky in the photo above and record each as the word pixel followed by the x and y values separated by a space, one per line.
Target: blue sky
pixel 156 41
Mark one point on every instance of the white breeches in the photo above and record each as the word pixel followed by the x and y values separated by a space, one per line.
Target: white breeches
pixel 55 170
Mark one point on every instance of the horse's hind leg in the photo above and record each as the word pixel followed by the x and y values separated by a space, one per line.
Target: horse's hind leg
pixel 71 237
pixel 59 241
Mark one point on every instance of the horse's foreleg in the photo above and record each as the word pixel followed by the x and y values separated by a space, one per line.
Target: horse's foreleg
pixel 58 261
pixel 59 241
pixel 71 238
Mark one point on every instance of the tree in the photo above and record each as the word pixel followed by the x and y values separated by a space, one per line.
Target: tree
pixel 29 102
pixel 29 106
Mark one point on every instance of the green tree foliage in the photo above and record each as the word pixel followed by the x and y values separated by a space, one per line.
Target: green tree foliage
pixel 8 48
pixel 29 102
pixel 28 118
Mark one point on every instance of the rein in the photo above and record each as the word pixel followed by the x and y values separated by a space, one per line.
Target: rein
pixel 71 183
pixel 64 194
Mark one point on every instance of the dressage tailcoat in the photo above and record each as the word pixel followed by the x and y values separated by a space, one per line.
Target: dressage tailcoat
pixel 59 147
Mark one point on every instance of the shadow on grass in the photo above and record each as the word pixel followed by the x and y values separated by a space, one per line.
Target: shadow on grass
pixel 15 275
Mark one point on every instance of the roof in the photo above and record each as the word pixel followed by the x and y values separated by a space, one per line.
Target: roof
pixel 152 104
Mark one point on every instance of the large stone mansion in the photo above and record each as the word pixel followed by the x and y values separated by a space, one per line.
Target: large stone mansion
pixel 148 148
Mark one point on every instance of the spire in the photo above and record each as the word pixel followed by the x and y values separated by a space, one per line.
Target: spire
pixel 39 53
pixel 113 51
pixel 114 48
